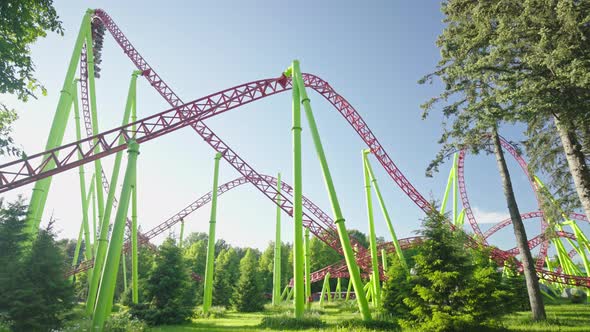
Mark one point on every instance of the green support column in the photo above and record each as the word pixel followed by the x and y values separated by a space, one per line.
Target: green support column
pixel 94 212
pixel 348 290
pixel 284 293
pixel 338 290
pixel 353 269
pixel 450 183
pixel 106 293
pixel 134 243
pixel 208 292
pixel 85 224
pixel 298 259
pixel 56 134
pixel 372 237
pixel 325 289
pixel 308 298
pixel 385 212
pixel 124 272
pixel 455 190
pixel 290 294
pixel 181 233
pixel 276 283
pixel 77 250
pixel 105 221
pixel 384 260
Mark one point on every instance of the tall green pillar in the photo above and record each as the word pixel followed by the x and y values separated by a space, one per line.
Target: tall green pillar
pixel 307 270
pixel 372 238
pixel 298 259
pixel 105 221
pixel 56 133
pixel 276 285
pixel 181 233
pixel 108 278
pixel 208 292
pixel 384 211
pixel 134 243
pixel 338 217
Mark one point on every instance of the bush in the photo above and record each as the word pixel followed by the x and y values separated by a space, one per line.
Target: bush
pixel 284 322
pixel 123 322
pixel 578 296
pixel 214 312
pixel 379 325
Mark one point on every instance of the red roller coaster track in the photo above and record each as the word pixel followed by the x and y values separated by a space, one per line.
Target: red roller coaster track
pixel 33 168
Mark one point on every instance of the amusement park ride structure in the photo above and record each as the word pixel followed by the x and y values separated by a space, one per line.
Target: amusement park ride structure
pixel 104 256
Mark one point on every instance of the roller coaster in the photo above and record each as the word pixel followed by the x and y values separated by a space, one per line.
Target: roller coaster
pixel 57 158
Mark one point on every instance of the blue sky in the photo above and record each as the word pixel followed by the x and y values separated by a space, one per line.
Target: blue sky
pixel 373 55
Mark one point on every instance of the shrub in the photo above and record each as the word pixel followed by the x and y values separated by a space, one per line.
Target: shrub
pixel 214 312
pixel 284 322
pixel 123 322
pixel 378 325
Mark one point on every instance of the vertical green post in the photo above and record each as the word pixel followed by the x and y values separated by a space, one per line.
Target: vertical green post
pixel 106 292
pixel 455 190
pixel 208 292
pixel 298 259
pixel 124 263
pixel 353 269
pixel 85 224
pixel 307 270
pixel 372 236
pixel 94 212
pixel 276 285
pixel 77 250
pixel 384 260
pixel 450 183
pixel 181 233
pixel 338 289
pixel 325 289
pixel 284 293
pixel 134 243
pixel 385 212
pixel 348 290
pixel 105 221
pixel 56 134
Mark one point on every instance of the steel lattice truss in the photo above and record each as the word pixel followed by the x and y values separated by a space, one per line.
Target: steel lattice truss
pixel 35 167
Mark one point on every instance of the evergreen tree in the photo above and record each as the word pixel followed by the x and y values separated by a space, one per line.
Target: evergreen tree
pixel 247 296
pixel 169 295
pixel 227 271
pixel 43 294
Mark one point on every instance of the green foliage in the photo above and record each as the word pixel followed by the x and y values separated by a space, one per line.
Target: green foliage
pixel 450 288
pixel 124 322
pixel 214 312
pixel 226 275
pixel 266 266
pixel 22 22
pixel 168 292
pixel 247 296
pixel 375 325
pixel 288 322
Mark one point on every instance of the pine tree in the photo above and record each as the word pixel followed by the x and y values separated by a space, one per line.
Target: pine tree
pixel 43 294
pixel 169 295
pixel 227 266
pixel 247 296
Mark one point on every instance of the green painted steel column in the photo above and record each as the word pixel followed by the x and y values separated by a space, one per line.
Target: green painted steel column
pixel 106 292
pixel 181 233
pixel 372 237
pixel 325 289
pixel 385 213
pixel 384 260
pixel 208 292
pixel 134 243
pixel 124 263
pixel 450 183
pixel 94 213
pixel 455 190
pixel 307 252
pixel 77 250
pixel 348 290
pixel 276 285
pixel 56 134
pixel 338 289
pixel 298 259
pixel 85 223
pixel 353 269
pixel 284 293
pixel 105 221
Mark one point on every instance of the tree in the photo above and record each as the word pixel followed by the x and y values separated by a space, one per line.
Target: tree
pixel 43 295
pixel 450 289
pixel 478 47
pixel 227 272
pixel 169 295
pixel 22 22
pixel 195 256
pixel 247 296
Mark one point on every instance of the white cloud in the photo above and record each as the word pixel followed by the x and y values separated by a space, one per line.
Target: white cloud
pixel 488 217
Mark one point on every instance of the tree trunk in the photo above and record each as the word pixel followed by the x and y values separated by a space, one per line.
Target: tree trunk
pixel 576 162
pixel 532 282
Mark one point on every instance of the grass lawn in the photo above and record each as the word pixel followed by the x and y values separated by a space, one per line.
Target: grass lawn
pixel 561 317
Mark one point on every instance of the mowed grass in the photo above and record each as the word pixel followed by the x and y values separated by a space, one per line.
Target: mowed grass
pixel 562 317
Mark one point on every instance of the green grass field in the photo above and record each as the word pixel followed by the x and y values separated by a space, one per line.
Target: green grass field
pixel 561 317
